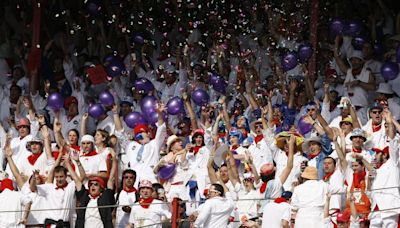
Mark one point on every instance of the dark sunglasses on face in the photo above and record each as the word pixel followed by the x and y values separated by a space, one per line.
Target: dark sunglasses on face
pixel 129 177
pixel 346 123
pixel 94 183
pixel 23 126
pixel 311 109
pixel 377 112
pixel 258 126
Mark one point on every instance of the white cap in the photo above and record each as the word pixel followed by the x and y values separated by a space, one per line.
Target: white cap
pixel 87 138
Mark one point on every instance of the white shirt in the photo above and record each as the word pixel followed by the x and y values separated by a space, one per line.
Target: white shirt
pixel 360 95
pixel 58 198
pixel 375 138
pixel 127 199
pixel 92 215
pixel 215 213
pixel 11 201
pixel 248 206
pixel 274 213
pixel 388 176
pixel 147 216
pixel 42 164
pixel 150 156
pixel 92 164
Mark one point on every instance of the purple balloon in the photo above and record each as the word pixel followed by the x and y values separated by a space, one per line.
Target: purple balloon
pixel 144 86
pixel 237 161
pixel 218 83
pixel 353 28
pixel 148 105
pixel 200 97
pixel 305 52
pixel 134 118
pixel 55 101
pixel 289 61
pixel 93 7
pixel 167 171
pixel 389 70
pixel 358 42
pixel 175 106
pixel 96 110
pixel 304 127
pixel 152 118
pixel 336 26
pixel 138 38
pixel 116 67
pixel 106 98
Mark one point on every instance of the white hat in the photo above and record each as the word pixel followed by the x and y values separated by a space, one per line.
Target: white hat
pixel 307 142
pixel 87 138
pixel 385 88
pixel 171 139
pixel 356 54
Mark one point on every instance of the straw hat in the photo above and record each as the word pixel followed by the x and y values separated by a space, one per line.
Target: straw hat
pixel 310 173
pixel 284 136
pixel 171 140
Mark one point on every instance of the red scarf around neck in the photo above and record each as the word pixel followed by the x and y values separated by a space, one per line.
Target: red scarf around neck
pixel 91 153
pixel 327 176
pixel 355 150
pixel 145 203
pixel 129 190
pixel 280 200
pixel 258 138
pixel 376 127
pixel 311 156
pixel 263 187
pixel 357 178
pixel 33 158
pixel 196 149
pixel 234 147
pixel 63 186
pixel 94 196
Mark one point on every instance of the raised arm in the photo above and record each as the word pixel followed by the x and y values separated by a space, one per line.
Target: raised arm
pixel 50 177
pixel 353 114
pixel 117 120
pixel 329 132
pixel 47 141
pixel 232 170
pixel 74 176
pixel 84 122
pixel 253 102
pixel 211 172
pixel 289 164
pixel 292 89
pixel 342 65
pixel 339 150
pixel 14 169
pixel 227 121
pixel 114 164
pixel 189 108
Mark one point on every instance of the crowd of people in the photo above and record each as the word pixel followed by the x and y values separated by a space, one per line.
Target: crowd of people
pixel 270 147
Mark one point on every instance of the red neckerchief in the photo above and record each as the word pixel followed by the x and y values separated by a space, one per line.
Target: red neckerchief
pixel 91 153
pixel 63 186
pixel 355 72
pixel 129 190
pixel 327 176
pixel 94 196
pixel 234 147
pixel 355 150
pixel 357 178
pixel 76 147
pixel 221 135
pixel 277 121
pixel 311 156
pixel 280 200
pixel 196 149
pixel 145 203
pixel 263 187
pixel 33 158
pixel 258 138
pixel 376 127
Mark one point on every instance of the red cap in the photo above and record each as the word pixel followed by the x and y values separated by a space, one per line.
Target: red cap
pixel 99 180
pixel 70 100
pixel 23 122
pixel 140 128
pixel 198 131
pixel 343 217
pixel 6 184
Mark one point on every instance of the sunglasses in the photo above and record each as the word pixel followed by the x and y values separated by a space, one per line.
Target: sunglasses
pixel 258 126
pixel 85 143
pixel 129 177
pixel 311 109
pixel 346 123
pixel 94 183
pixel 23 126
pixel 377 112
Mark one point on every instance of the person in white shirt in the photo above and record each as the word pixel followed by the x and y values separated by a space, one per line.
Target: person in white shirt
pixel 148 211
pixel 309 199
pixel 93 163
pixel 375 126
pixel 385 93
pixel 216 210
pixel 277 214
pixel 125 198
pixel 144 153
pixel 385 202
